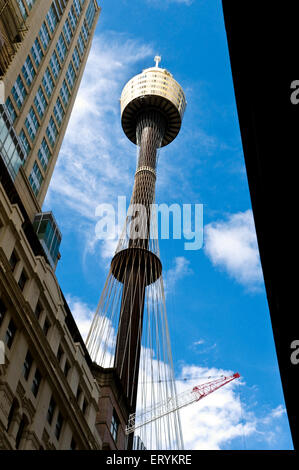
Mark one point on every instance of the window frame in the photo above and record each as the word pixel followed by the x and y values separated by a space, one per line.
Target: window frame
pixel 10 333
pixel 114 426
pixel 27 365
pixel 37 379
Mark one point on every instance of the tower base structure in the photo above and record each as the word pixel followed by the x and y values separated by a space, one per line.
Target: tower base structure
pixel 114 409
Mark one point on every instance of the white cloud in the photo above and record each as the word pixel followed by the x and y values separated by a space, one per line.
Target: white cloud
pixel 166 2
pixel 198 343
pixel 279 411
pixel 232 245
pixel 275 413
pixel 179 270
pixel 217 419
pixel 82 313
pixel 202 347
pixel 186 2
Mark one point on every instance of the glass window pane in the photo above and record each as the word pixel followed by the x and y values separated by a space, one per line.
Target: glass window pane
pixel 28 71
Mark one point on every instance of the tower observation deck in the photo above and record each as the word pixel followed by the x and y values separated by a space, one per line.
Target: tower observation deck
pixel 129 332
pixel 153 90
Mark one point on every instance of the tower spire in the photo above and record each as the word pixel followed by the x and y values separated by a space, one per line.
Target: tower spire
pixel 157 60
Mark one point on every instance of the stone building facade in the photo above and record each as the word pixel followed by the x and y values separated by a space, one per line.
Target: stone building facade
pixel 49 396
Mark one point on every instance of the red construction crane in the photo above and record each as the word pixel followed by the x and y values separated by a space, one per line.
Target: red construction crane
pixel 136 420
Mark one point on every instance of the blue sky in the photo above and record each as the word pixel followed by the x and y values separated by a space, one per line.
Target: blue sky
pixel 216 302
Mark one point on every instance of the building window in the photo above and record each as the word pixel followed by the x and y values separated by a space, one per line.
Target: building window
pixel 61 48
pixel 78 394
pixel 72 18
pixel 52 132
pixel 59 354
pixel 67 32
pixel 84 406
pixel 49 235
pixel 25 142
pixel 80 44
pixel 51 410
pixel 58 112
pixel 84 32
pixel 58 426
pixel 46 327
pixel 73 445
pixel 28 71
pixel 77 6
pixel 54 65
pixel 36 382
pixel 3 310
pixel 38 310
pixel 114 425
pixel 44 154
pixel 51 19
pixel 30 3
pixel 67 367
pixel 36 52
pixel 35 179
pixel 12 151
pixel 27 365
pixel 61 4
pixel 11 110
pixel 40 102
pixel 70 75
pixel 13 155
pixel 48 82
pixel 23 279
pixel 90 13
pixel 65 93
pixel 76 58
pixel 19 92
pixel 32 124
pixel 22 9
pixel 44 36
pixel 13 260
pixel 10 334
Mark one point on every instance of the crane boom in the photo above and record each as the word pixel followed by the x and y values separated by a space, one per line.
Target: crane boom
pixel 174 403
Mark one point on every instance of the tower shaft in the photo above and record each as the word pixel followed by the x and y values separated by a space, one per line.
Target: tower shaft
pixel 149 134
